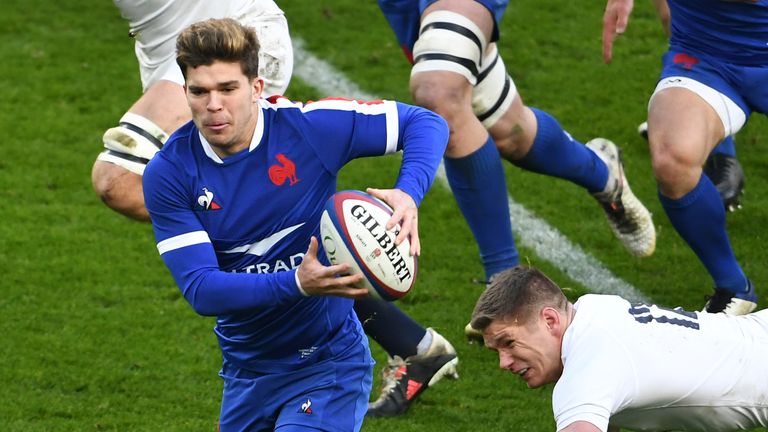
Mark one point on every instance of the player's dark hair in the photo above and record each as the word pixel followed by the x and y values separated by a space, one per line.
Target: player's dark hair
pixel 520 293
pixel 224 39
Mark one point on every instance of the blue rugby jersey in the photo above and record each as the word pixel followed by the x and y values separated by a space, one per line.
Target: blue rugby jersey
pixel 233 231
pixel 735 31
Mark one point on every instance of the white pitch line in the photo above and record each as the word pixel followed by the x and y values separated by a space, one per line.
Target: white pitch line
pixel 530 231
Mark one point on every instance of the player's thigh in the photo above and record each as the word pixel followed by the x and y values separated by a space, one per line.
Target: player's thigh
pixel 165 104
pixel 681 123
pixel 275 51
pixel 336 401
pixel 753 84
pixel 472 10
pixel 717 84
pixel 453 37
pixel 327 396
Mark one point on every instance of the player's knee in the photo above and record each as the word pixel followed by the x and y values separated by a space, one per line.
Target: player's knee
pixel 675 173
pixel 444 98
pixel 494 92
pixel 119 189
pixel 449 42
pixel 132 143
pixel 116 174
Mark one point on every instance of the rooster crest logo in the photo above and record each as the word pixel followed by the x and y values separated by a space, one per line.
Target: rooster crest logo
pixel 306 407
pixel 206 201
pixel 282 171
pixel 688 61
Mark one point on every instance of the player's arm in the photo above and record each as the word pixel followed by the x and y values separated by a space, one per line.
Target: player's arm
pixel 188 253
pixel 615 20
pixel 353 129
pixel 424 137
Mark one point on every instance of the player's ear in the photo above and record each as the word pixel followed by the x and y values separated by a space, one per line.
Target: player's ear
pixel 258 88
pixel 551 318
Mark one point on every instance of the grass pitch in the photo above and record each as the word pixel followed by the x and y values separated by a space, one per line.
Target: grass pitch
pixel 96 337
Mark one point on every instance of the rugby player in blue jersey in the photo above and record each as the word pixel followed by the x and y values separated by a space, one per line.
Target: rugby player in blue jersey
pixel 722 166
pixel 235 198
pixel 715 74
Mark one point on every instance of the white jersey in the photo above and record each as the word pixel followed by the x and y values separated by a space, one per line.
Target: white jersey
pixel 156 23
pixel 661 369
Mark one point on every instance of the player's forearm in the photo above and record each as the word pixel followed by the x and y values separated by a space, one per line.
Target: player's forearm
pixel 212 292
pixel 222 293
pixel 425 135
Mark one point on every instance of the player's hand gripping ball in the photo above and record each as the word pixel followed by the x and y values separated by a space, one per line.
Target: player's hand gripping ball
pixel 352 229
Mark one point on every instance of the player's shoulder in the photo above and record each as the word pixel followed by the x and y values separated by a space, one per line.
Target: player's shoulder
pixel 181 139
pixel 599 301
pixel 177 148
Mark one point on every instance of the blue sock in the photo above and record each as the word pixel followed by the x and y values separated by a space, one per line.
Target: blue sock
pixel 726 147
pixel 479 186
pixel 556 153
pixel 390 327
pixel 699 218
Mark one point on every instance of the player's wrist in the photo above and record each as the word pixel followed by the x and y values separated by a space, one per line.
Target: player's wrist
pixel 298 284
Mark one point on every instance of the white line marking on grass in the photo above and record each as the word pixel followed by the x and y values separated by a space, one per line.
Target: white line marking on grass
pixel 530 231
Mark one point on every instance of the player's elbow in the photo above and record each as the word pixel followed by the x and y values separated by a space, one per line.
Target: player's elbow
pixel 204 310
pixel 203 304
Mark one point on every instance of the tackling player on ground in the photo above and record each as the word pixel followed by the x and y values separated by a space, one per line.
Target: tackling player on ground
pixel 636 366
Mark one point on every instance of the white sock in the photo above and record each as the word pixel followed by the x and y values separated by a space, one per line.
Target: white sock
pixel 424 344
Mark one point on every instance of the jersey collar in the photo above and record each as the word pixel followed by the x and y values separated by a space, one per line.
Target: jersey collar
pixel 257 135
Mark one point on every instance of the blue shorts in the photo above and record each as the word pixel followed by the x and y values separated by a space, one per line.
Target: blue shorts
pixel 330 396
pixel 404 17
pixel 746 86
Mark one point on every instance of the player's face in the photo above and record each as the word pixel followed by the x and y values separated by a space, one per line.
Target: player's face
pixel 529 350
pixel 223 104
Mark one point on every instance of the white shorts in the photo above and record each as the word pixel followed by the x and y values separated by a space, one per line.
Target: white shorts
pixel 156 23
pixel 732 117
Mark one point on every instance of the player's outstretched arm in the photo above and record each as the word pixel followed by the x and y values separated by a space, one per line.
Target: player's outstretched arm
pixel 615 20
pixel 316 279
pixel 404 213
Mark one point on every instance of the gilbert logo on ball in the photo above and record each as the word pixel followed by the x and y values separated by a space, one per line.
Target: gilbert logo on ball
pixel 352 230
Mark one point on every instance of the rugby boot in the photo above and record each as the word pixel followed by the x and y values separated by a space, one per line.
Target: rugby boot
pixel 404 380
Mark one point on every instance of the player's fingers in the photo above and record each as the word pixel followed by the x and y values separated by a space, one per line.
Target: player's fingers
pixel 415 242
pixel 348 280
pixel 406 227
pixel 312 249
pixel 609 33
pixel 336 269
pixel 378 193
pixel 374 192
pixel 354 293
pixel 398 217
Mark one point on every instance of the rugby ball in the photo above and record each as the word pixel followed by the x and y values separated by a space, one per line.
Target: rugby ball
pixel 352 230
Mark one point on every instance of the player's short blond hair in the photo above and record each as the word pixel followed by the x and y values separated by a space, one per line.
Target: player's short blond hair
pixel 519 293
pixel 224 39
